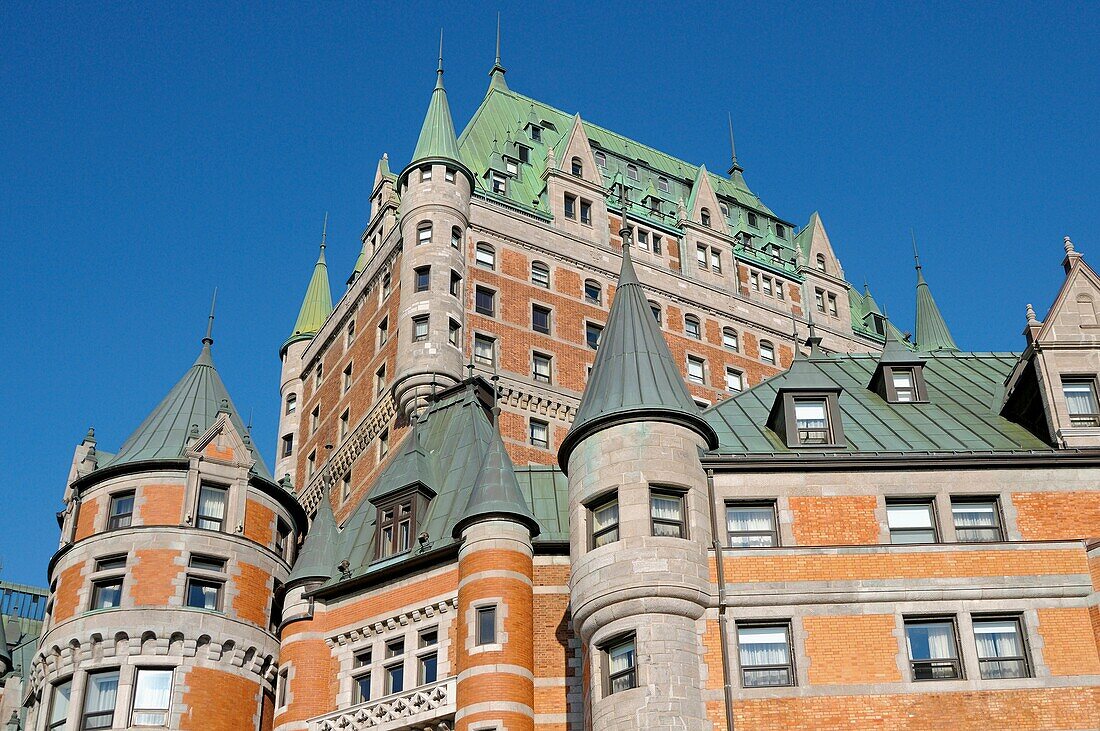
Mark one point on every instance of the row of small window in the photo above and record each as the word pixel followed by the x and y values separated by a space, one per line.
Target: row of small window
pixel 149 706
pixel 705 254
pixel 667 516
pixel 578 209
pixel 383 450
pixel 768 286
pixel 426 174
pixel 424 236
pixel 374 679
pixel 825 302
pixel 697 373
pixel 976 519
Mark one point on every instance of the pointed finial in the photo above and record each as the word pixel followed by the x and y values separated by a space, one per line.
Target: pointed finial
pixel 624 231
pixel 735 167
pixel 497 63
pixel 916 256
pixel 439 69
pixel 1031 318
pixel 324 231
pixel 90 436
pixel 470 366
pixel 209 339
pixel 249 425
pixel 1068 245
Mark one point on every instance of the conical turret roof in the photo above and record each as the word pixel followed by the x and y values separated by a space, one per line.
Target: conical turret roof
pixel 317 304
pixel 320 553
pixel 495 492
pixel 194 402
pixel 931 331
pixel 437 139
pixel 634 377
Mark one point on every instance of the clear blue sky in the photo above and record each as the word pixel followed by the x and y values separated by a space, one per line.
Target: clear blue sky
pixel 150 151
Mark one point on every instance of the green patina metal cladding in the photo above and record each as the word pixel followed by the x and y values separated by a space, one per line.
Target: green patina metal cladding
pixel 931 331
pixel 317 304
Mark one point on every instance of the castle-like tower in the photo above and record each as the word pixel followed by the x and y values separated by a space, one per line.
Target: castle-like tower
pixel 166 591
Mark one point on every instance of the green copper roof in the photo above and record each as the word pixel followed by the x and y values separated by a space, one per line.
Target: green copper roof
pixel 962 413
pixel 317 305
pixel 932 333
pixel 320 552
pixel 495 492
pixel 634 377
pixel 409 467
pixel 437 136
pixel 190 407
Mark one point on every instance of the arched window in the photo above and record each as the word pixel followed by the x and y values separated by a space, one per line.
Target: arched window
pixel 767 352
pixel 725 209
pixel 540 274
pixel 656 310
pixel 704 217
pixel 752 220
pixel 632 172
pixel 575 167
pixel 692 328
pixel 729 338
pixel 291 403
pixel 780 230
pixel 821 262
pixel 601 159
pixel 424 233
pixel 456 237
pixel 486 256
pixel 662 184
pixel 593 293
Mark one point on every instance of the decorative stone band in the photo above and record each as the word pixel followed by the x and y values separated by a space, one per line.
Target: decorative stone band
pixel 54 662
pixel 426 708
pixel 400 620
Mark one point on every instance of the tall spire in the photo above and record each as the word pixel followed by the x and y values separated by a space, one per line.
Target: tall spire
pixel 931 329
pixel 437 137
pixel 635 377
pixel 317 305
pixel 496 74
pixel 735 167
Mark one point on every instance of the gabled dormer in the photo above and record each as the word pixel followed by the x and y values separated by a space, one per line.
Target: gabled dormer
pixel 401 497
pixel 806 411
pixel 899 375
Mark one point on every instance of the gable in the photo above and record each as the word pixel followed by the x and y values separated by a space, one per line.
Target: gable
pixel 1075 315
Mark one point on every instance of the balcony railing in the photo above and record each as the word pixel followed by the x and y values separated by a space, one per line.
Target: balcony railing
pixel 426 707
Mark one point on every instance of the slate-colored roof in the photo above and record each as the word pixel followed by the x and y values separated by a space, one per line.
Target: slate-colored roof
pixel 317 304
pixel 931 331
pixel 964 398
pixel 634 376
pixel 319 555
pixel 194 401
pixel 459 448
pixel 437 139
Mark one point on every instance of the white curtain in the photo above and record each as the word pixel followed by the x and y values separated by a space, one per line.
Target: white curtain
pixel 621 658
pixel 1079 398
pixel 666 508
pixel 930 642
pixel 748 519
pixel 997 639
pixel 810 415
pixel 973 515
pixel 212 503
pixel 762 646
pixel 59 706
pixel 606 516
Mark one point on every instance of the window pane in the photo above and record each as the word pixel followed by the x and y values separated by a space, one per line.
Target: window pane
pixel 59 705
pixel 605 516
pixel 395 679
pixel 152 697
pixel 107 595
pixel 99 700
pixel 976 521
pixel 486 626
pixel 1000 648
pixel 931 640
pixel 909 516
pixel 211 507
pixel 428 669
pixel 764 656
pixel 203 595
pixel 362 688
pixel 751 526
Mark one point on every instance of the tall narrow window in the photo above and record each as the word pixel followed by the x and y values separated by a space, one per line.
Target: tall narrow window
pixel 904 385
pixel 1080 394
pixel 604 520
pixel 911 521
pixel 485 301
pixel 729 338
pixel 701 256
pixel 380 379
pixel 420 328
pixel 586 212
pixel 819 300
pixel 593 293
pixel 753 221
pixel 933 654
pixel 211 512
pixel 540 275
pixel 540 367
pixel 632 172
pixel 423 278
pixel 425 173
pixel 696 369
pixel 601 158
pixel 780 230
pixel 977 519
pixel 427 662
pixel 704 217
pixel 666 512
pixel 570 206
pixel 121 512
pixel 59 706
pixel 291 403
pixel 821 262
pixel 361 664
pixel 486 625
pixel 575 167
pixel 767 281
pixel 539 432
pixel 484 350
pixel 832 305
pixel 735 381
pixel 540 319
pixel 621 665
pixel 662 184
pixel 499 183
pixel 315 419
pixel 716 261
pixel 592 333
pixel 754 281
pixel 692 327
pixel 485 256
pixel 454 332
pixel 656 310
pixel 383 331
pixel 383 443
pixel 152 697
pixel 99 700
pixel 456 237
pixel 1001 653
pixel 751 525
pixel 424 234
pixel 346 381
pixel 765 654
pixel 456 284
pixel 345 423
pixel 767 352
pixel 349 334
pixel 395 524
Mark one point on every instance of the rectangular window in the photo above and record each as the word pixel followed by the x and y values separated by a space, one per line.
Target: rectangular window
pixel 696 369
pixel 511 167
pixel 424 235
pixel 1001 649
pixel 484 350
pixel 604 519
pixel 812 420
pixel 666 512
pixel 347 378
pixel 211 512
pixel 288 445
pixel 485 256
pixel 485 301
pixel 449 175
pixel 486 625
pixel 779 289
pixel 152 697
pixel 207 563
pixel 734 380
pixel 204 594
pixel 380 379
pixel 716 261
pixel 656 244
pixel 311 464
pixel 319 375
pixel 570 206
pixel 692 327
pixel 701 256
pixel 282 539
pixel 345 423
pixel 768 286
pixel 500 183
pixel 765 655
pixel 540 319
pixel 540 275
pixel 904 386
pixel 832 305
pixel 59 706
pixel 383 331
pixel 349 334
pixel 767 352
pixel 121 512
pixel 730 339
pixel 395 647
pixel 454 333
pixel 1080 394
pixel 315 419
pixel 362 688
pixel 456 284
pixel 911 521
pixel 539 433
pixel 592 292
pixel 107 593
pixel 540 368
pixel 977 519
pixel 111 563
pixel 933 654
pixel 395 528
pixel 345 486
pixel 620 660
pixel 592 333
pixel 428 668
pixel 643 240
pixel 99 701
pixel 420 328
pixel 425 174
pixel 395 678
pixel 524 154
pixel 751 525
pixel 423 278
pixel 819 300
pixel 754 281
pixel 586 212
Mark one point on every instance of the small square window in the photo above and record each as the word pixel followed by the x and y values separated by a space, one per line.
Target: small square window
pixel 485 301
pixel 812 421
pixel 977 519
pixel 753 220
pixel 621 664
pixel 539 434
pixel 592 292
pixel 735 380
pixel 933 653
pixel 423 279
pixel 911 521
pixel 511 167
pixel 121 512
pixel 395 647
pixel 540 275
pixel 765 655
pixel 484 350
pixel 107 594
pixel 1080 395
pixel 601 158
pixel 666 512
pixel 429 637
pixel 662 185
pixel 1002 653
pixel 767 352
pixel 204 594
pixel 604 519
pixel 486 625
pixel 540 319
pixel 420 328
pixel 751 525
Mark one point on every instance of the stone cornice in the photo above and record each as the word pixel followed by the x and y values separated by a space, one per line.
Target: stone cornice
pixel 404 619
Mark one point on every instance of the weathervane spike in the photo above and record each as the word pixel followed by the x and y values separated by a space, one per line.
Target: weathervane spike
pixel 498 39
pixel 733 148
pixel 209 339
pixel 324 231
pixel 439 70
pixel 916 256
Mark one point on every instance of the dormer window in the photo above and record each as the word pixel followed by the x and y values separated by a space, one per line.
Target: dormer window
pixel 511 167
pixel 575 167
pixel 780 230
pixel 821 262
pixel 752 220
pixel 536 133
pixel 632 172
pixel 812 421
pixel 1080 394
pixel 901 383
pixel 704 217
pixel 499 183
pixel 662 185
pixel 807 417
pixel 395 526
pixel 524 154
pixel 601 159
pixel 904 387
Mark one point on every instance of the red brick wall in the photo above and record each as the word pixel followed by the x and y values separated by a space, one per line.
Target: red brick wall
pixel 253 586
pixel 834 521
pixel 85 518
pixel 161 504
pixel 151 574
pixel 1053 515
pixel 67 597
pixel 314 681
pixel 851 649
pixel 218 701
pixel 1066 648
pixel 259 523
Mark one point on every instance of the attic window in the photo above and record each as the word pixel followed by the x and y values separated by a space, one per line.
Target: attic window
pixel 1080 394
pixel 395 527
pixel 535 132
pixel 601 159
pixel 632 172
pixel 780 230
pixel 575 167
pixel 704 217
pixel 662 184
pixel 904 384
pixel 524 154
pixel 812 420
pixel 821 262
pixel 499 183
pixel 511 167
pixel 752 220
